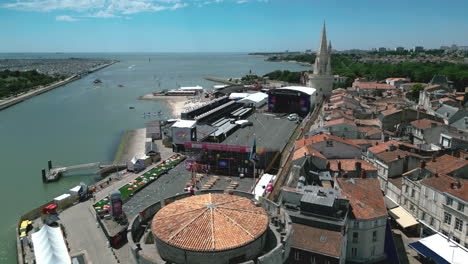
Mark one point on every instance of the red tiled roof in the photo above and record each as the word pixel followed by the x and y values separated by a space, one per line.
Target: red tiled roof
pixel 391 111
pixel 446 164
pixel 382 146
pixel 398 181
pixel 425 123
pixel 368 122
pixel 444 183
pixel 386 145
pixel 350 165
pixel 413 83
pixel 396 79
pixel 432 87
pixel 317 240
pixel 364 196
pixel 365 141
pixel 364 129
pixel 337 114
pixel 308 150
pixel 320 138
pixel 207 222
pixel 373 85
pixel 340 103
pixel 391 156
pixel 373 131
pixel 339 121
pixel 446 99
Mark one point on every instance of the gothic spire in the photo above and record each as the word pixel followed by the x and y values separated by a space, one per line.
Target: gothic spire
pixel 323 42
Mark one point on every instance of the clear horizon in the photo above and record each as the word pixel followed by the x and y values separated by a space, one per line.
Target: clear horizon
pixel 239 26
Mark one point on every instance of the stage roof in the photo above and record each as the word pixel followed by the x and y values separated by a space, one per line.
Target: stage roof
pixel 302 89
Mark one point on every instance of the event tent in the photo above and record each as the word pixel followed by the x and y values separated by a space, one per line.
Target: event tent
pixel 440 250
pixel 49 246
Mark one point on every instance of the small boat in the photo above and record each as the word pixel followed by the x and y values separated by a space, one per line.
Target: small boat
pixel 120 85
pixel 97 81
pixel 131 107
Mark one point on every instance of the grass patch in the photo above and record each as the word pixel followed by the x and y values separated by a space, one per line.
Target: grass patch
pixel 141 181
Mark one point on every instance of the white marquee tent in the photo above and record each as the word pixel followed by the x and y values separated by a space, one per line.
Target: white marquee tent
pixel 50 247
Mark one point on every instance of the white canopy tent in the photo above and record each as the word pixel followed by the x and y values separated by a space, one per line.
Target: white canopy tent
pixel 50 247
pixel 262 183
pixel 441 250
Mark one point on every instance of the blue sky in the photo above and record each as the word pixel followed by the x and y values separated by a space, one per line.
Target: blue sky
pixel 226 25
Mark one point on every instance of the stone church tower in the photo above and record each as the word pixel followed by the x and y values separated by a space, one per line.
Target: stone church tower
pixel 322 78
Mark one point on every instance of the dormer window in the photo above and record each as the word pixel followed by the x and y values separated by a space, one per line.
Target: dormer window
pixel 329 143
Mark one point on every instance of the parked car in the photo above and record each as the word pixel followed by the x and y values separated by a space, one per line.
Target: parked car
pixel 293 117
pixel 244 123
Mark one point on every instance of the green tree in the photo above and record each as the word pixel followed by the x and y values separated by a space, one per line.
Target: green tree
pixel 413 95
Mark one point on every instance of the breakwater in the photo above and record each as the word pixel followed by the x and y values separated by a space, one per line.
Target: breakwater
pixel 25 96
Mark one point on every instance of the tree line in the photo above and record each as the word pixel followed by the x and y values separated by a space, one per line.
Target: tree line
pixel 348 65
pixel 16 82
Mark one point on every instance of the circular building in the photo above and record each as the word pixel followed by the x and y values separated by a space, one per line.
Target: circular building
pixel 214 226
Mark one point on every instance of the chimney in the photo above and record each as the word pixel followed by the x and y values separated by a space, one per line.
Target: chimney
pixel 433 158
pixel 358 166
pixel 363 174
pixel 455 185
pixel 422 164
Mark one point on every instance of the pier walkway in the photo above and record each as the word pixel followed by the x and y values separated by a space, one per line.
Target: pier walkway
pixel 55 173
pixel 220 80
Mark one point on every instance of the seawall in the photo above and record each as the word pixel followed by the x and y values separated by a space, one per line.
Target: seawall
pixel 10 102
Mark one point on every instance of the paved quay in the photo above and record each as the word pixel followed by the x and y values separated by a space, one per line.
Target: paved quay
pixel 84 234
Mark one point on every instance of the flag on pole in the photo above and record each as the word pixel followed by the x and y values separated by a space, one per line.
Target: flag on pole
pixel 253 153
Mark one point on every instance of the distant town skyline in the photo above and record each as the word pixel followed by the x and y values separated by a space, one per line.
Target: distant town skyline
pixel 226 25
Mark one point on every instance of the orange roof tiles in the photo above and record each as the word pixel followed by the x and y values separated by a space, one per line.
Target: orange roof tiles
pixel 364 129
pixel 207 222
pixel 446 99
pixel 391 111
pixel 382 146
pixel 446 164
pixel 386 145
pixel 397 181
pixel 320 138
pixel 373 85
pixel 374 131
pixel 444 183
pixel 350 164
pixel 368 122
pixel 317 240
pixel 425 123
pixel 339 121
pixel 366 141
pixel 307 150
pixel 391 156
pixel 364 196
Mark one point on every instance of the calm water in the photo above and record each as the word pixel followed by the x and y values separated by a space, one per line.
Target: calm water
pixel 82 122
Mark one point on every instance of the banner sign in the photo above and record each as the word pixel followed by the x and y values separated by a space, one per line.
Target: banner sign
pixel 220 147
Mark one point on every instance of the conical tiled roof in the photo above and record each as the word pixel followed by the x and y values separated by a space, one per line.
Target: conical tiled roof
pixel 210 222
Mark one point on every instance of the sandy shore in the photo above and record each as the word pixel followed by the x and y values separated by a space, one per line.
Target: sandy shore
pixel 179 104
